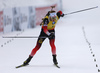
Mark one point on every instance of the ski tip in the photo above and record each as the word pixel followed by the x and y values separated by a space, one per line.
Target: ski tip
pixel 16 67
pixel 57 65
pixel 21 65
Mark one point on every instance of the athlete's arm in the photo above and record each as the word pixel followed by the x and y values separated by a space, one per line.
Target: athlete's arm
pixel 46 21
pixel 60 14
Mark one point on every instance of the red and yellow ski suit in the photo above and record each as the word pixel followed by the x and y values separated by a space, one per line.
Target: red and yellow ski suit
pixel 48 27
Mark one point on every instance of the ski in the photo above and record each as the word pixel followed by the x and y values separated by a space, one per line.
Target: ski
pixel 21 65
pixel 57 65
pixel 28 64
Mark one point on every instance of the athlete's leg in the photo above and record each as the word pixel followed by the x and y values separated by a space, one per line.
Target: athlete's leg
pixel 37 47
pixel 33 52
pixel 53 47
pixel 39 43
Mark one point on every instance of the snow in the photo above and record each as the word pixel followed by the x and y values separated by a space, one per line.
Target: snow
pixel 73 52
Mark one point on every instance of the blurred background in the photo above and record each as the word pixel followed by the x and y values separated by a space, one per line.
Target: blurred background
pixel 20 15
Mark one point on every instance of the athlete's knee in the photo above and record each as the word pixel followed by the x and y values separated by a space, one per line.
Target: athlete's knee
pixel 38 45
pixel 40 41
pixel 52 43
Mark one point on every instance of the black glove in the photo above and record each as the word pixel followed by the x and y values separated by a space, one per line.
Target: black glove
pixel 62 15
pixel 51 36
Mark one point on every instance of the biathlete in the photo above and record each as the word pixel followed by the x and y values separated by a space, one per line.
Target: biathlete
pixel 47 31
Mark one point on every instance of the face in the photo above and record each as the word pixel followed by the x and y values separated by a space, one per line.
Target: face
pixel 52 17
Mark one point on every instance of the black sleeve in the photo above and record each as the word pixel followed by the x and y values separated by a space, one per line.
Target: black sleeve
pixel 58 14
pixel 45 21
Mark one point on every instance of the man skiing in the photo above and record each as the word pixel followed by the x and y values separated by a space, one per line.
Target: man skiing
pixel 47 31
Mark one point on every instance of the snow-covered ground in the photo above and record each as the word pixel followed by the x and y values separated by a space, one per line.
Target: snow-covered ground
pixel 73 52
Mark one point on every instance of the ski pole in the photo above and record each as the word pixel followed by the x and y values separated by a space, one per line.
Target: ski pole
pixel 22 37
pixel 82 10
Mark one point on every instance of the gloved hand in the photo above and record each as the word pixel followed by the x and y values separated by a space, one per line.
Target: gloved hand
pixel 51 35
pixel 62 15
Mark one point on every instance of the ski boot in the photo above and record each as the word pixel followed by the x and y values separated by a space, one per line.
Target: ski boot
pixel 28 60
pixel 54 60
